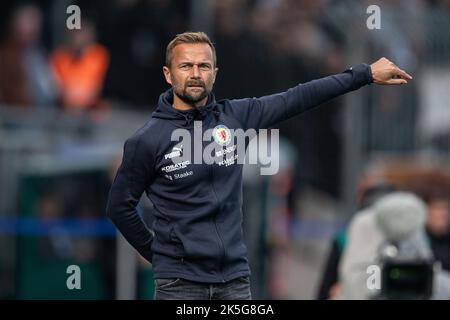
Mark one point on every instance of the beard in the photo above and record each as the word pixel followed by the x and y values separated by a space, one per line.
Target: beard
pixel 190 96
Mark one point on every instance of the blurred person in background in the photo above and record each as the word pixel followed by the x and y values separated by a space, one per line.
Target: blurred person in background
pixel 397 219
pixel 329 286
pixel 438 228
pixel 196 243
pixel 80 67
pixel 432 184
pixel 25 76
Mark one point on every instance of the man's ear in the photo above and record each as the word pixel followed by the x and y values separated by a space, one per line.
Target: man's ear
pixel 215 73
pixel 166 72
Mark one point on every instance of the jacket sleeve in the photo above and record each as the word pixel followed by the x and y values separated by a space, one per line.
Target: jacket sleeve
pixel 263 112
pixel 133 177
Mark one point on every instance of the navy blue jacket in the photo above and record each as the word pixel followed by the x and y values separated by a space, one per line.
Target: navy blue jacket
pixel 197 231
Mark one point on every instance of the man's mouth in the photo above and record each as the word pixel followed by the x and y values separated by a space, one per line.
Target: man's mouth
pixel 196 89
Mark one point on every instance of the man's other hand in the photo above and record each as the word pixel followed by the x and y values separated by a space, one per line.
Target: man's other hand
pixel 386 72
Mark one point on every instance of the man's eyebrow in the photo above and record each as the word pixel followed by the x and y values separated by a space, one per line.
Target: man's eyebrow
pixel 192 63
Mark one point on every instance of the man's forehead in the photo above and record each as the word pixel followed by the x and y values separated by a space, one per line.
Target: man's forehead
pixel 193 51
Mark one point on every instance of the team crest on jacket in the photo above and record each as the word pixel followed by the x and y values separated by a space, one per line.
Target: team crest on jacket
pixel 222 135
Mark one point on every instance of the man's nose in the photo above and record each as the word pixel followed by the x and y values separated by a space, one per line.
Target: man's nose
pixel 195 72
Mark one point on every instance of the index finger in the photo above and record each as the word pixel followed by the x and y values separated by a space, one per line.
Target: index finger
pixel 403 74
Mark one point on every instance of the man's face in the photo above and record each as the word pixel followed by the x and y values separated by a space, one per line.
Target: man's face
pixel 192 72
pixel 438 217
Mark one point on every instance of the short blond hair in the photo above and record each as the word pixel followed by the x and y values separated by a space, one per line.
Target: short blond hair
pixel 189 37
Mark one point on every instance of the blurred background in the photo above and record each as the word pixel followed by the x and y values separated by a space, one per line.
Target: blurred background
pixel 70 98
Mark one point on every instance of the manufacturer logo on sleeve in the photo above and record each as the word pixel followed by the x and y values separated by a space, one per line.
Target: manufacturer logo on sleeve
pixel 176 152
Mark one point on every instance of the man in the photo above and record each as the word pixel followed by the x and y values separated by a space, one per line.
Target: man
pixel 196 244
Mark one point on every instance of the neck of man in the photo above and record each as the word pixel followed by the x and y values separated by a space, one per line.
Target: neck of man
pixel 183 105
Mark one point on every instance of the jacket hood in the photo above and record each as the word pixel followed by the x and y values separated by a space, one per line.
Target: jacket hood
pixel 183 118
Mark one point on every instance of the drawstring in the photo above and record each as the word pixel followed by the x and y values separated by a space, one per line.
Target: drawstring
pixel 216 114
pixel 198 114
pixel 188 117
pixel 201 113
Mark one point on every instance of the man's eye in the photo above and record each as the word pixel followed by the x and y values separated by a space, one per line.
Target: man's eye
pixel 185 66
pixel 205 67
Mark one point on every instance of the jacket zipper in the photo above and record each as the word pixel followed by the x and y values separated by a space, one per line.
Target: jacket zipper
pixel 222 247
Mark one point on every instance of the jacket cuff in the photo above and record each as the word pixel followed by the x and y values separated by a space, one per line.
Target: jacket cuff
pixel 363 74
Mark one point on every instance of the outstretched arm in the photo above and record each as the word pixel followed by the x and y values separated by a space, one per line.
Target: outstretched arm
pixel 266 111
